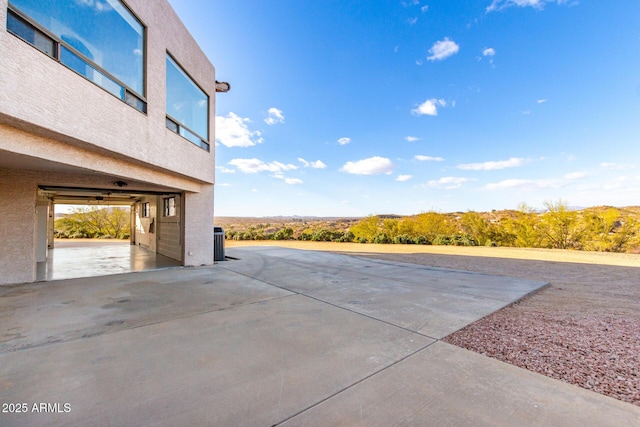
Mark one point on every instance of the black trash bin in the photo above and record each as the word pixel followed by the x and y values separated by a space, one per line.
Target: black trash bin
pixel 218 244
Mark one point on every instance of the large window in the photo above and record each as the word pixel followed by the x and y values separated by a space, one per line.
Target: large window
pixel 187 106
pixel 101 40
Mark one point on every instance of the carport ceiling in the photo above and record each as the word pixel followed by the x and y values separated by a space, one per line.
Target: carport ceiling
pixel 93 196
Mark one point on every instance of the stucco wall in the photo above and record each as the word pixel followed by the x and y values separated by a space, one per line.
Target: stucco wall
pixel 53 115
pixel 198 232
pixel 18 192
pixel 44 97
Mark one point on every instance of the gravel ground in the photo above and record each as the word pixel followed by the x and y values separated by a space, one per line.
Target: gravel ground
pixel 583 329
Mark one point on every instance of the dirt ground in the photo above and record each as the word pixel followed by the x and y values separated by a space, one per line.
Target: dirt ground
pixel 583 329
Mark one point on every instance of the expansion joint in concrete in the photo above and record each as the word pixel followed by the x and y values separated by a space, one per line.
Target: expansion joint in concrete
pixel 354 384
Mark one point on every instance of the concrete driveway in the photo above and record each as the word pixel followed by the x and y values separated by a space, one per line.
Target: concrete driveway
pixel 278 336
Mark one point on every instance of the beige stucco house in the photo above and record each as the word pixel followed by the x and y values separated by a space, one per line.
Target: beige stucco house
pixel 104 100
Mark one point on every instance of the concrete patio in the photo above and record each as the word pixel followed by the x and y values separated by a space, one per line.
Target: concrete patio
pixel 277 337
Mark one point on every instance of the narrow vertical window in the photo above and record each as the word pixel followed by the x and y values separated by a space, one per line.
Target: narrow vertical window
pixel 169 206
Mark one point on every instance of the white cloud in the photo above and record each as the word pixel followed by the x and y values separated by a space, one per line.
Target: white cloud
pixel 411 139
pixel 541 101
pixel 448 182
pixel 513 162
pixel 429 107
pixel 412 21
pixel 99 6
pixel 623 183
pixel 318 164
pixel 232 131
pixel 293 181
pixel 344 141
pixel 424 8
pixel 428 158
pixel 443 49
pixel 222 169
pixel 371 166
pixel 403 178
pixel 525 184
pixel 575 175
pixel 610 166
pixel 535 4
pixel 256 165
pixel 275 116
pixel 489 52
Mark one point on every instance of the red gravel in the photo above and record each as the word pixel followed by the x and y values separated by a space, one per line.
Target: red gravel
pixel 599 353
pixel 583 329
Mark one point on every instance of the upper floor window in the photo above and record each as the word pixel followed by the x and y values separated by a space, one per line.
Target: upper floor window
pixel 101 40
pixel 187 106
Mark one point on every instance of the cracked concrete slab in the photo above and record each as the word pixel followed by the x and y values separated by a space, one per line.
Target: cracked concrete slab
pixel 254 364
pixel 278 336
pixel 46 312
pixel 448 385
pixel 433 302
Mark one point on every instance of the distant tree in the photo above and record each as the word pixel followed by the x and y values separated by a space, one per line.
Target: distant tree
pixel 607 231
pixel 94 222
pixel 524 230
pixel 477 228
pixel 560 226
pixel 283 234
pixel 366 229
pixel 390 227
pixel 432 225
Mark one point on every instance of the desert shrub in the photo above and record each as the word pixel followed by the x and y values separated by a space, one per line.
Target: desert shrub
pixel 367 228
pixel 347 237
pixel 422 240
pixel 60 234
pixel 283 234
pixel 382 238
pixel 404 239
pixel 523 231
pixel 463 240
pixel 442 240
pixel 607 231
pixel 560 226
pixel 322 236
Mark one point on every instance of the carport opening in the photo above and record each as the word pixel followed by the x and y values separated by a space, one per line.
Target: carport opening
pixel 94 232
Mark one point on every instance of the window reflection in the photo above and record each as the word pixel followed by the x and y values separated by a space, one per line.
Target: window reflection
pixel 187 105
pixel 104 31
pixel 74 62
pixel 30 34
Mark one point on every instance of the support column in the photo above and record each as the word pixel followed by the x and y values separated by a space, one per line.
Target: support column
pixel 18 192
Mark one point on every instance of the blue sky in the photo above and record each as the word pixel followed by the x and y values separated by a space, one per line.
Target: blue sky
pixel 351 108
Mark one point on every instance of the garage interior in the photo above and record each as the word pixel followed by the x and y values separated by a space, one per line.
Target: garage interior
pixel 155 233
